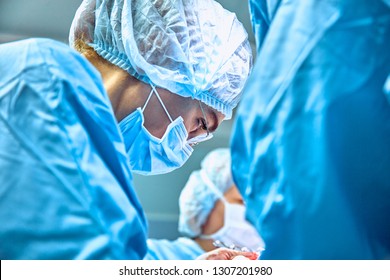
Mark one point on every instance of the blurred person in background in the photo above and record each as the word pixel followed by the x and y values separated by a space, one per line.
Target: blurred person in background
pixel 211 212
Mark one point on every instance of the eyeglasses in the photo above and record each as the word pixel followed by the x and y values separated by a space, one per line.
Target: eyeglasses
pixel 203 137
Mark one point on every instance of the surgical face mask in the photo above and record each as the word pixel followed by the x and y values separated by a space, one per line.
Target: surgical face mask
pixel 148 154
pixel 236 230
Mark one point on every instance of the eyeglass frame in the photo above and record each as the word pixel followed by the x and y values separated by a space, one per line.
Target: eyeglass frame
pixel 203 137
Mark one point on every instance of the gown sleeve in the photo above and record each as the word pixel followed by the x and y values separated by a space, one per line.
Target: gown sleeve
pixel 180 249
pixel 65 188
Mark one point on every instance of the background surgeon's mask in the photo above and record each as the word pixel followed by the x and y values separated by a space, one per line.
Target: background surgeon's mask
pixel 236 230
pixel 148 154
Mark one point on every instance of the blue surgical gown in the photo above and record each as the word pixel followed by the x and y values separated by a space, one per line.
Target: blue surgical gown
pixel 311 139
pixel 182 248
pixel 65 186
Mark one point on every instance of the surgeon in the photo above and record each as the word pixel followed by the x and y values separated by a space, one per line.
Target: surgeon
pixel 212 214
pixel 310 145
pixel 153 79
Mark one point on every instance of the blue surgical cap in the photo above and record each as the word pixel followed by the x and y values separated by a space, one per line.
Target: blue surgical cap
pixel 194 48
pixel 197 199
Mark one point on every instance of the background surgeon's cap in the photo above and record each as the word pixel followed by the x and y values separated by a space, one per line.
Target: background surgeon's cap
pixel 197 199
pixel 194 48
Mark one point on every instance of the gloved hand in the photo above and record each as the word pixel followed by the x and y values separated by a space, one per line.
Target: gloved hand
pixel 228 254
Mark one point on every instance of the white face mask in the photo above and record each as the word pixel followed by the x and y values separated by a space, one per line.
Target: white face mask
pixel 236 230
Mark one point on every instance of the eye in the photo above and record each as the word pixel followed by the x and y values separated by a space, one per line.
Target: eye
pixel 202 124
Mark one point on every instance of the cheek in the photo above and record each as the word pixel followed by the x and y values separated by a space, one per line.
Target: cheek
pixel 192 128
pixel 157 127
pixel 191 122
pixel 156 121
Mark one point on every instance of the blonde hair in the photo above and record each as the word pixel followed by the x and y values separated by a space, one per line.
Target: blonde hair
pixel 86 50
pixel 82 47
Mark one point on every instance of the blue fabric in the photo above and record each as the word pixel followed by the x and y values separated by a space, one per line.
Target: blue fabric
pixel 310 144
pixel 182 248
pixel 65 187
